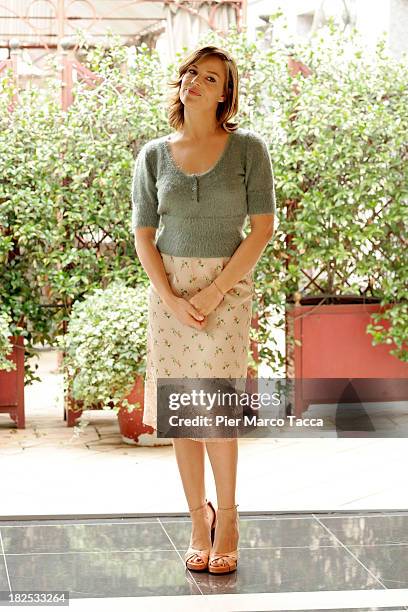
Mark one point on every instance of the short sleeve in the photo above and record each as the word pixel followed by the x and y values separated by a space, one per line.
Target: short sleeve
pixel 144 193
pixel 259 179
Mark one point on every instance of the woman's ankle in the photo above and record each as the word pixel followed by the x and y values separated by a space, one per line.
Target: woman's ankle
pixel 228 507
pixel 197 507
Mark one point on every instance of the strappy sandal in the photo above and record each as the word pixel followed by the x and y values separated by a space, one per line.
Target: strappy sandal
pixel 196 559
pixel 230 559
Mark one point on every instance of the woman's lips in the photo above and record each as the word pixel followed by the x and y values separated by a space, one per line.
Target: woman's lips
pixel 192 92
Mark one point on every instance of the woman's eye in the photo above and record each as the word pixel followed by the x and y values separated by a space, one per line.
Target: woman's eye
pixel 192 70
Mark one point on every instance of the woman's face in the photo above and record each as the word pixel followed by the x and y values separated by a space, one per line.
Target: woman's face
pixel 206 77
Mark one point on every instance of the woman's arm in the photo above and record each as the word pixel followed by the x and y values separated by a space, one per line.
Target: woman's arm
pixel 152 262
pixel 248 253
pixel 261 207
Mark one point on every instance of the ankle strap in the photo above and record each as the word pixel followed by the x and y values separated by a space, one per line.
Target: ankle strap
pixel 231 508
pixel 199 507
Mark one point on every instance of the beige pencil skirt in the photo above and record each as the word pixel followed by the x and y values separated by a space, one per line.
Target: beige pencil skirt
pixel 175 350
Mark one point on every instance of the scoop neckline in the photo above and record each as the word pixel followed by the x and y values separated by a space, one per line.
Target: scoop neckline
pixel 210 170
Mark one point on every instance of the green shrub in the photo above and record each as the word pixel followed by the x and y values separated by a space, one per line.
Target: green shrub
pixel 105 345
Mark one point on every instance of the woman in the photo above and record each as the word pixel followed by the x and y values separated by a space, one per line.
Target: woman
pixel 199 185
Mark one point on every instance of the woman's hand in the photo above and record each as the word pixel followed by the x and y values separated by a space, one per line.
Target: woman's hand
pixel 207 300
pixel 194 311
pixel 185 312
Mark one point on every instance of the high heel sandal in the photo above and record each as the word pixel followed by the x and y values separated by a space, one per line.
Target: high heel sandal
pixel 230 559
pixel 201 564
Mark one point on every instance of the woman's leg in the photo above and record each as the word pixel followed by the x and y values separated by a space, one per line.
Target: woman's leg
pixel 224 460
pixel 190 461
pixel 190 456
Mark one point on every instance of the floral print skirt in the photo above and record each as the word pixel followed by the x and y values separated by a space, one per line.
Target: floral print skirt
pixel 175 350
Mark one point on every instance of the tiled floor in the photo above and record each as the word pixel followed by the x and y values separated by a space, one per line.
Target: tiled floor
pixel 285 555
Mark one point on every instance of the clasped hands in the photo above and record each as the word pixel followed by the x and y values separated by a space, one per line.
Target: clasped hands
pixel 194 311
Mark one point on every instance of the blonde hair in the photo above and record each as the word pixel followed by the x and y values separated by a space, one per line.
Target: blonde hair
pixel 226 109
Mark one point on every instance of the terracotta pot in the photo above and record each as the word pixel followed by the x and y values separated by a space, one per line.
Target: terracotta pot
pixel 132 430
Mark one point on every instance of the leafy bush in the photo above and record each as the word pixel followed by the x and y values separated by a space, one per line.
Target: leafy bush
pixel 105 345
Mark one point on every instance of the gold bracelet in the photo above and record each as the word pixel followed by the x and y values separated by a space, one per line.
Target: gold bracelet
pixel 218 288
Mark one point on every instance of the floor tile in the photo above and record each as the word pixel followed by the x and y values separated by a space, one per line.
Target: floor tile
pixel 291 570
pixel 104 574
pixel 4 586
pixel 389 564
pixel 141 536
pixel 374 530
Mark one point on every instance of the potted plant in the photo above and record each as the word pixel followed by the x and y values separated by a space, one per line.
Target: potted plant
pixel 335 271
pixel 104 358
pixel 346 273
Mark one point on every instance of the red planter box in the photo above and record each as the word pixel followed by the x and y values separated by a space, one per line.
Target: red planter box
pixel 12 384
pixel 335 345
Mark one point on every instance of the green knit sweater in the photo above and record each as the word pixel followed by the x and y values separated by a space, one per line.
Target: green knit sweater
pixel 202 215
